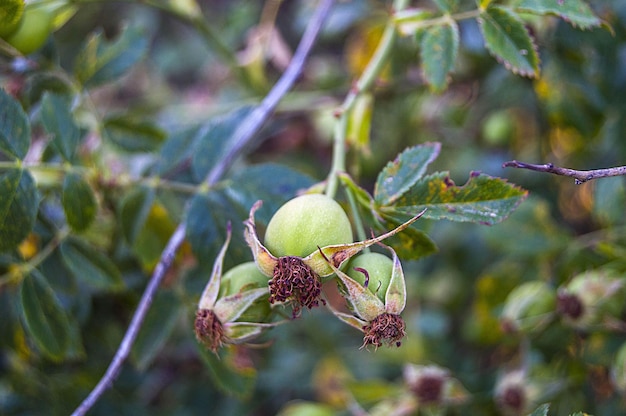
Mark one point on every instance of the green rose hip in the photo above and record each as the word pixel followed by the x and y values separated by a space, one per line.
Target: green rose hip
pixel 305 223
pixel 376 268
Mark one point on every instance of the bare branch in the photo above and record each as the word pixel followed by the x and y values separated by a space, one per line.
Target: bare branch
pixel 580 176
pixel 242 136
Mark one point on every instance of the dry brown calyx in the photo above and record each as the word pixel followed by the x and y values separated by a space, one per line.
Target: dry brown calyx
pixel 385 328
pixel 209 329
pixel 570 305
pixel 295 282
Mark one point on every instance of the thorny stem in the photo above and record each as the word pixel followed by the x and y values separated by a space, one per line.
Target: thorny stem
pixel 242 136
pixel 580 176
pixel 364 83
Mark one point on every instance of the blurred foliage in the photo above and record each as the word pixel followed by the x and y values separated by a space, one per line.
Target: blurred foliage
pixel 108 130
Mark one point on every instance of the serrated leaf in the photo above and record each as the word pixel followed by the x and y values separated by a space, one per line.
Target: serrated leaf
pixel 235 379
pixel 541 410
pixel 89 265
pixel 483 199
pixel 44 317
pixel 100 61
pixel 79 202
pixel 214 140
pixel 398 176
pixel 19 202
pixel 508 40
pixel 157 327
pixel 133 135
pixel 576 12
pixel 439 49
pixel 58 121
pixel 272 183
pixel 134 210
pixel 14 127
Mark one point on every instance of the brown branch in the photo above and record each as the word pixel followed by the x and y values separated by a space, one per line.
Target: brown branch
pixel 580 176
pixel 242 136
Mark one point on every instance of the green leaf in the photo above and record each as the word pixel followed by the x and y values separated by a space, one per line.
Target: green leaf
pixel 175 151
pixel 11 14
pixel 483 199
pixel 214 140
pixel 41 81
pixel 134 210
pixel 447 6
pixel 235 379
pixel 272 183
pixel 400 175
pixel 59 121
pixel 14 127
pixel 44 317
pixel 99 61
pixel 508 40
pixel 576 12
pixel 133 135
pixel 160 321
pixel 89 265
pixel 439 49
pixel 541 410
pixel 411 243
pixel 79 202
pixel 360 122
pixel 19 201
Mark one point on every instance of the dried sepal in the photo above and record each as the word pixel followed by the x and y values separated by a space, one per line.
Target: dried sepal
pixel 395 298
pixel 320 261
pixel 263 258
pixel 230 308
pixel 212 289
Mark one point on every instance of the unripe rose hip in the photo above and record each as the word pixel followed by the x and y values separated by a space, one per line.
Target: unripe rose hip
pixel 305 223
pixel 378 268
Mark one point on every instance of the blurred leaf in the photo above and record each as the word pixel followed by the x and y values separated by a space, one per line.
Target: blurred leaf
pixel 302 408
pixel 273 184
pixel 14 127
pixel 576 12
pixel 157 327
pixel 40 82
pixel 176 151
pixel 59 121
pixel 439 49
pixel 372 391
pixel 18 207
pixel 206 223
pixel 232 377
pixel 133 135
pixel 10 16
pixel 153 236
pixel 360 122
pixel 508 40
pixel 609 200
pixel 79 202
pixel 541 410
pixel 44 316
pixel 401 174
pixel 447 6
pixel 99 61
pixel 214 140
pixel 89 265
pixel 483 199
pixel 134 210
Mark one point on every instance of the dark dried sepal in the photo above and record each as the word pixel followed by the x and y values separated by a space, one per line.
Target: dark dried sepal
pixel 386 328
pixel 294 282
pixel 209 330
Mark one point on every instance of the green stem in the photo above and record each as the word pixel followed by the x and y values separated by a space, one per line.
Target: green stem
pixel 364 83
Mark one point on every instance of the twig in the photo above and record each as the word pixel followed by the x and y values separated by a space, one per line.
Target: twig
pixel 242 136
pixel 580 176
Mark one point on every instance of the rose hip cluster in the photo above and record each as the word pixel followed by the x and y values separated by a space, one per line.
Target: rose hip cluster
pixel 307 242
